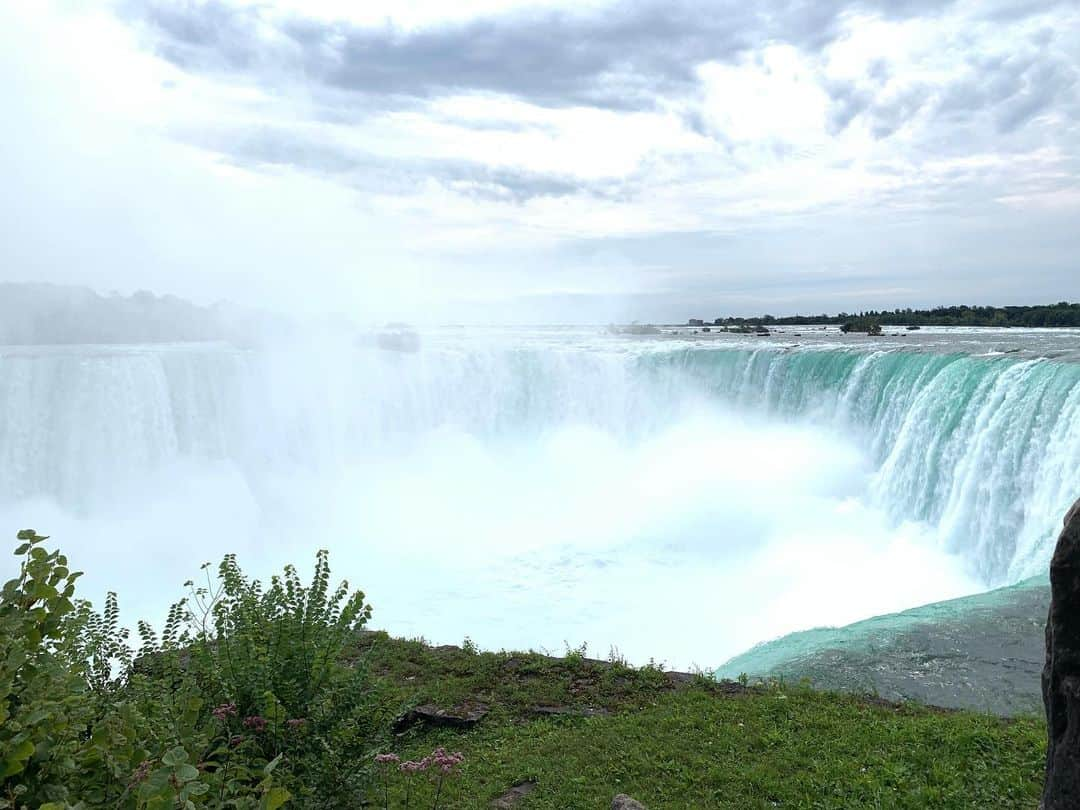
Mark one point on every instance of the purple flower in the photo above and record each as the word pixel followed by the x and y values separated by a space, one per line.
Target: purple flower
pixel 413 766
pixel 446 762
pixel 141 772
pixel 384 759
pixel 224 711
pixel 296 722
pixel 255 722
pixel 235 740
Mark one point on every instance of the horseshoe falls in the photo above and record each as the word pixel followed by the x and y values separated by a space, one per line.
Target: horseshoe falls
pixel 671 498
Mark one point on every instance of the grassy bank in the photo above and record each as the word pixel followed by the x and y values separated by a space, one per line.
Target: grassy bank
pixel 583 730
pixel 259 696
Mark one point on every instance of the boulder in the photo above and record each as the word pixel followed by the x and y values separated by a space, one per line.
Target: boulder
pixel 461 717
pixel 514 796
pixel 624 802
pixel 1061 672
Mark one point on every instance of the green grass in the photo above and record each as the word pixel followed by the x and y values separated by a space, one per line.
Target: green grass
pixel 687 743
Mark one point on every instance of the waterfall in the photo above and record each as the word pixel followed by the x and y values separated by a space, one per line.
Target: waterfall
pixel 985 449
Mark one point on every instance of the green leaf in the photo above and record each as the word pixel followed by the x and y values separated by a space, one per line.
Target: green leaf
pixel 274 798
pixel 20 753
pixel 187 773
pixel 20 550
pixel 10 767
pixel 175 756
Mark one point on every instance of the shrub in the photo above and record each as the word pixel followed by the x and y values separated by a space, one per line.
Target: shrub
pixel 242 701
pixel 274 656
pixel 43 689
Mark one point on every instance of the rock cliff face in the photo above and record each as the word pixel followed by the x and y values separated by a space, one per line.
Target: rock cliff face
pixel 1061 673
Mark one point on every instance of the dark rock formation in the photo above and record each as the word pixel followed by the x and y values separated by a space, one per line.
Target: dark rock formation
pixel 624 802
pixel 461 718
pixel 1061 674
pixel 514 796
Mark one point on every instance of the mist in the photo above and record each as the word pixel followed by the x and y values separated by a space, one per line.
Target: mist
pixel 547 487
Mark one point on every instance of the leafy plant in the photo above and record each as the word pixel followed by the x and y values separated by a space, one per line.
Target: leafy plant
pixel 275 656
pixel 43 685
pixel 242 701
pixel 269 651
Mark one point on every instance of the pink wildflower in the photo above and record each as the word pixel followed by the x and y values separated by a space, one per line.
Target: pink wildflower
pixel 255 722
pixel 296 722
pixel 413 766
pixel 446 762
pixel 224 711
pixel 141 772
pixel 384 759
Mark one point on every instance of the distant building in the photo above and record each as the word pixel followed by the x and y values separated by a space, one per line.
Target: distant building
pixel 695 322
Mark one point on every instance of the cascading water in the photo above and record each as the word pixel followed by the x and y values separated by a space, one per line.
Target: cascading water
pixel 986 448
pixel 594 463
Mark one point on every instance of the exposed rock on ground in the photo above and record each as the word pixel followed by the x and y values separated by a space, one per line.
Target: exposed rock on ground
pixel 461 717
pixel 624 802
pixel 1061 673
pixel 514 796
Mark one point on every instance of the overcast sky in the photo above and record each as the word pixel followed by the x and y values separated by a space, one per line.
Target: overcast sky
pixel 515 160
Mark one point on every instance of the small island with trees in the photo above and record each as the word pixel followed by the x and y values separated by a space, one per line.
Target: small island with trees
pixel 1061 314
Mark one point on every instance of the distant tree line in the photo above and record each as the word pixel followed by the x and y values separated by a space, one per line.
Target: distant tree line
pixel 38 313
pixel 1060 314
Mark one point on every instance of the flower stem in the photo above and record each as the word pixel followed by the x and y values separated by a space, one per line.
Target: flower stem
pixel 438 792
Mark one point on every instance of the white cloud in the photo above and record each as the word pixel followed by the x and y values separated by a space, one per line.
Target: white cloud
pixel 773 158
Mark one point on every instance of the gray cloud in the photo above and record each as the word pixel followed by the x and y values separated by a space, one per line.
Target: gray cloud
pixel 1011 88
pixel 885 110
pixel 1014 89
pixel 270 147
pixel 1044 84
pixel 623 58
pixel 1011 10
pixel 890 114
pixel 848 100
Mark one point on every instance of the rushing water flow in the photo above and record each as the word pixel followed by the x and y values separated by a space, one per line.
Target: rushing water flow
pixel 527 490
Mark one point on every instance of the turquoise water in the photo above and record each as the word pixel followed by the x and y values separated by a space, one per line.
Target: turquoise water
pixel 521 486
pixel 988 449
pixel 983 652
